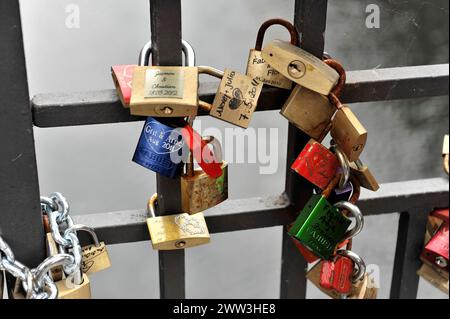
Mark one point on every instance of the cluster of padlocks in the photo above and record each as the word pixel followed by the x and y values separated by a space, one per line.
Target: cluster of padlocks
pixel 64 273
pixel 321 230
pixel 435 253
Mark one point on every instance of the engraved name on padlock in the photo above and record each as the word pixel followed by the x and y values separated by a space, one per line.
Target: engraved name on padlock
pixel 179 231
pixel 258 68
pixel 236 98
pixel 300 66
pixel 156 146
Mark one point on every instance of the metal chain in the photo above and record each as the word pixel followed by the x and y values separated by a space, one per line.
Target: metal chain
pixel 37 283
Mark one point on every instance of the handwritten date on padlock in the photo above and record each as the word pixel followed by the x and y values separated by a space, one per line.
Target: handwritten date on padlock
pixel 317 164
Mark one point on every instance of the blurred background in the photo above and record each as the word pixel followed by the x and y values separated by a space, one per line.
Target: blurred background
pixel 91 165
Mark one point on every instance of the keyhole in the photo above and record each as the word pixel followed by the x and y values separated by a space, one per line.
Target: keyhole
pixel 296 69
pixel 180 244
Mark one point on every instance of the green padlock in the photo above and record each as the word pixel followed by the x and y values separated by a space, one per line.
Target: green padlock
pixel 321 226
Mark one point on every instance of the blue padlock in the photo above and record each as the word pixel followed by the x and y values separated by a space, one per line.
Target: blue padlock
pixel 161 148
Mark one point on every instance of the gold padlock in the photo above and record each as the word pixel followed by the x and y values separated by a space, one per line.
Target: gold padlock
pixel 236 98
pixel 311 112
pixel 95 257
pixel 200 191
pixel 179 231
pixel 300 66
pixel 364 175
pixel 258 68
pixel 74 288
pixel 166 91
pixel 52 250
pixel 429 274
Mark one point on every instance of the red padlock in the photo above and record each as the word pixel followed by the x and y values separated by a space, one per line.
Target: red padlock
pixel 337 275
pixel 317 164
pixel 441 213
pixel 437 249
pixel 122 76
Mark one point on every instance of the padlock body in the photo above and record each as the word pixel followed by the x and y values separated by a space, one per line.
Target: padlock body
pixel 160 148
pixel 68 290
pixel 342 276
pixel 317 164
pixel 365 177
pixel 311 112
pixel 320 226
pixel 438 249
pixel 349 133
pixel 181 231
pixel 52 249
pixel 260 70
pixel 200 192
pixel 236 98
pixel 308 70
pixel 164 91
pixel 122 76
pixel 429 273
pixel 95 258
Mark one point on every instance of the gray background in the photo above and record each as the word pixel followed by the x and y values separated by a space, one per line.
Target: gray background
pixel 91 165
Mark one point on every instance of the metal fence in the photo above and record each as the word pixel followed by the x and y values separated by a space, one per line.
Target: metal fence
pixel 20 216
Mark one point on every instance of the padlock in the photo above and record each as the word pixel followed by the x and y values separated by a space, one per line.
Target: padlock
pixel 160 148
pixel 435 219
pixel 445 156
pixel 258 68
pixel 236 98
pixel 166 91
pixel 309 111
pixel 123 75
pixel 321 226
pixel 342 273
pixel 364 175
pixel 95 257
pixel 346 130
pixel 69 288
pixel 316 163
pixel 437 249
pixel 300 66
pixel 179 231
pixel 429 273
pixel 199 191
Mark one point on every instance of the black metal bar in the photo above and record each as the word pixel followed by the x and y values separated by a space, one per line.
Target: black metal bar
pixel 310 20
pixel 100 107
pixel 166 42
pixel 410 240
pixel 260 212
pixel 20 216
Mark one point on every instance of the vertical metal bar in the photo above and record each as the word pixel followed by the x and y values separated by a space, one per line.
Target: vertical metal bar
pixel 166 42
pixel 20 216
pixel 310 20
pixel 410 240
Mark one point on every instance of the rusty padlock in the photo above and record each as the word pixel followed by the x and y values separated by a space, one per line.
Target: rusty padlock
pixel 258 68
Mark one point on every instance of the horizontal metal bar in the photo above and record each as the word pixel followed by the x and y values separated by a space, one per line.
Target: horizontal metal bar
pixel 100 107
pixel 252 213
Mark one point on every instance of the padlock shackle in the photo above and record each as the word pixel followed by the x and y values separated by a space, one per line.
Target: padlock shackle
pixel 344 162
pixel 189 54
pixel 80 227
pixel 359 273
pixel 354 212
pixel 337 90
pixel 152 205
pixel 262 31
pixel 205 106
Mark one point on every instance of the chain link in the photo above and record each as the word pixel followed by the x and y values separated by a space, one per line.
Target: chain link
pixel 37 283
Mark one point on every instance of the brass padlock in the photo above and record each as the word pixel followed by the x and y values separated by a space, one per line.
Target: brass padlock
pixel 236 98
pixel 346 129
pixel 364 175
pixel 199 191
pixel 258 68
pixel 179 231
pixel 52 249
pixel 74 287
pixel 300 66
pixel 311 112
pixel 95 257
pixel 433 277
pixel 166 91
